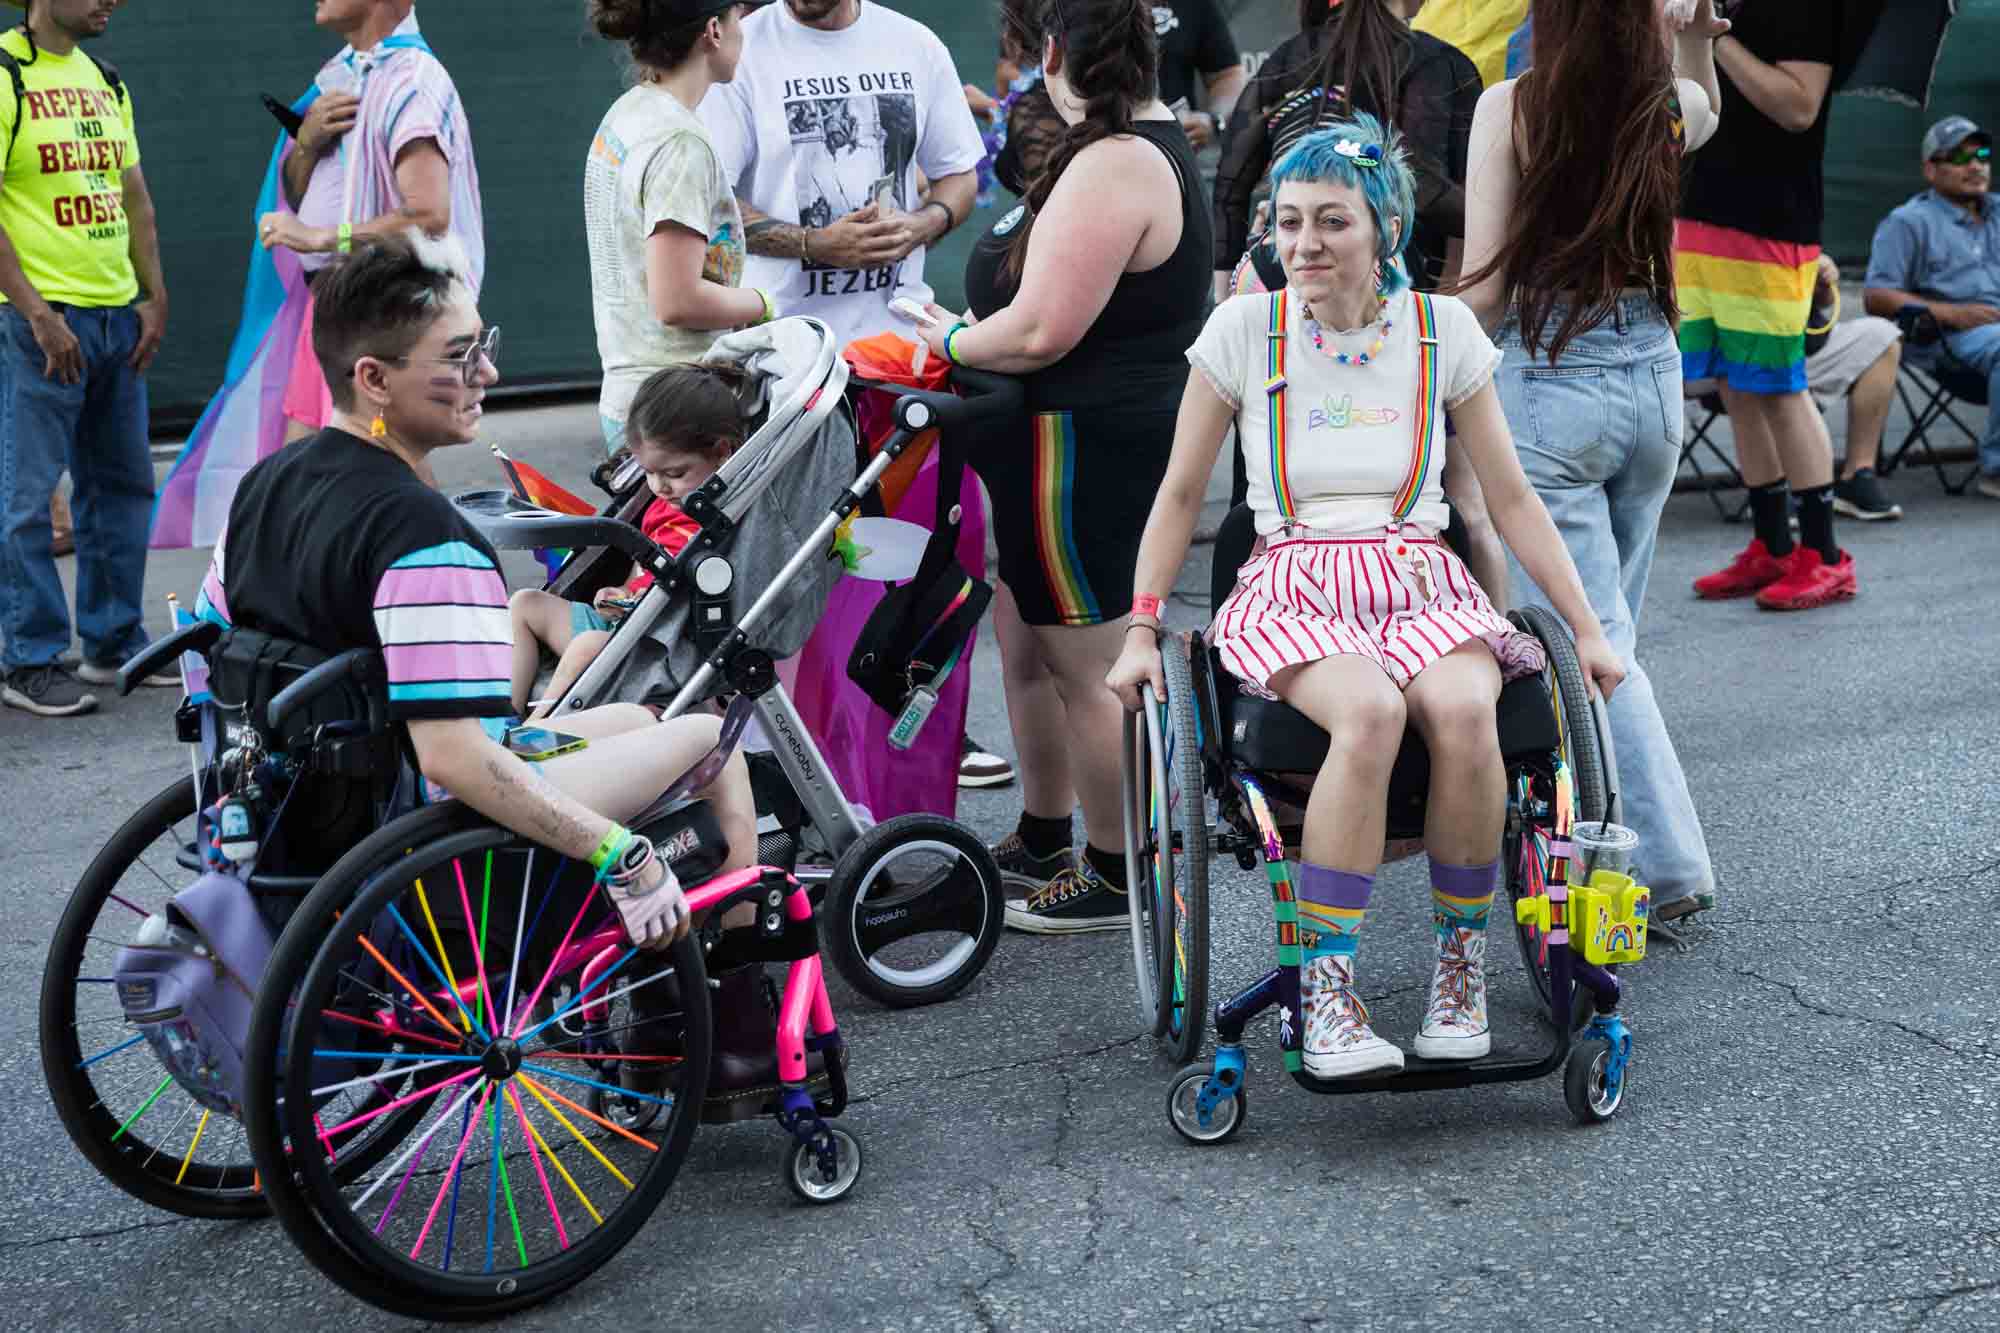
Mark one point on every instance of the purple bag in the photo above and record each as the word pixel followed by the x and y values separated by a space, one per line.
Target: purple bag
pixel 187 981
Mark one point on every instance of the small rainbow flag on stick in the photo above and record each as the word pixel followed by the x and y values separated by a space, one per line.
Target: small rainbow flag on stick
pixel 542 493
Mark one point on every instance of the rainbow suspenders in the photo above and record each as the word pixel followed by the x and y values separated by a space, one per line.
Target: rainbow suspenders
pixel 1429 411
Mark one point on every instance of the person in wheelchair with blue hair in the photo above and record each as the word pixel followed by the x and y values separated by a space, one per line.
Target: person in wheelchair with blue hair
pixel 1350 609
pixel 343 541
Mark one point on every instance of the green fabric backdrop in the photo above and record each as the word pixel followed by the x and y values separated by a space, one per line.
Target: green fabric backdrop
pixel 535 82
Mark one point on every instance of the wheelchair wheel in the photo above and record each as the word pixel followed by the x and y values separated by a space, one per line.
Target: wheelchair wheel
pixel 1529 834
pixel 506 1187
pixel 1142 772
pixel 142 1130
pixel 913 910
pixel 1173 873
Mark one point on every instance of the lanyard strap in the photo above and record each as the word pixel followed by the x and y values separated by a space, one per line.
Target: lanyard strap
pixel 1274 390
pixel 1428 411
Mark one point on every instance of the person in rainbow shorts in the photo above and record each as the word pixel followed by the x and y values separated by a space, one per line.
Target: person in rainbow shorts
pixel 1350 609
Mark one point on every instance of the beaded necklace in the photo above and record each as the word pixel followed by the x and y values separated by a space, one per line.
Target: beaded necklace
pixel 1318 333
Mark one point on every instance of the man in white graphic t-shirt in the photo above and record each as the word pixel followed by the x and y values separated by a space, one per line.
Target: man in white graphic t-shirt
pixel 837 107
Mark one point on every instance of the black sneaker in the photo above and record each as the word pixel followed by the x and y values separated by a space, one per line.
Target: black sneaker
pixel 1022 870
pixel 1076 900
pixel 1861 496
pixel 46 691
pixel 980 767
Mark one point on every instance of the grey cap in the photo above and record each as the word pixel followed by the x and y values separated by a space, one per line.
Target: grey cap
pixel 1949 133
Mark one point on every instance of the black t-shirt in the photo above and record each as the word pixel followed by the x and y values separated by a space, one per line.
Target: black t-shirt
pixel 1754 175
pixel 1194 41
pixel 337 543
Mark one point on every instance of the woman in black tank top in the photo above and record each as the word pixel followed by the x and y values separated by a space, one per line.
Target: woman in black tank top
pixel 1095 314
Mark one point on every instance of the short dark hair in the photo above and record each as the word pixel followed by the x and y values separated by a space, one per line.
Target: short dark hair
pixel 687 409
pixel 378 301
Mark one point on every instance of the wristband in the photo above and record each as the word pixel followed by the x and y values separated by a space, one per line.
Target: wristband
pixel 770 306
pixel 1145 604
pixel 950 218
pixel 949 354
pixel 616 839
pixel 805 256
pixel 345 244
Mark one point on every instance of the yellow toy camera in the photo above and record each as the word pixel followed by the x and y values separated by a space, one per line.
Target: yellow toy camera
pixel 1608 918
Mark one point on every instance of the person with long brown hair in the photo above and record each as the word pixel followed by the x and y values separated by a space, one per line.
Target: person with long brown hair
pixel 1091 291
pixel 1575 174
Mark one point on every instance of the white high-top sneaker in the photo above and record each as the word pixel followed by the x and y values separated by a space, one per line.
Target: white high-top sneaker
pixel 1338 1043
pixel 1455 1025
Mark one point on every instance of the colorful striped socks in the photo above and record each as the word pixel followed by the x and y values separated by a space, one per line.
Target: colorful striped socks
pixel 1332 904
pixel 1461 896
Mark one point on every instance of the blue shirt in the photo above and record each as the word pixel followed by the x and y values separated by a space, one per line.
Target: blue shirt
pixel 1936 249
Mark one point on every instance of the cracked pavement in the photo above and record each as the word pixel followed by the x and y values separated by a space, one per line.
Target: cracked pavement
pixel 1809 1137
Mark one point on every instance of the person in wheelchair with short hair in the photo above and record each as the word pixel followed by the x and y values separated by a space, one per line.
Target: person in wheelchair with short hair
pixel 342 541
pixel 1350 609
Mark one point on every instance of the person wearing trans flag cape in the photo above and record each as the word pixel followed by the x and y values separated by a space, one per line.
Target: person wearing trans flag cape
pixel 382 143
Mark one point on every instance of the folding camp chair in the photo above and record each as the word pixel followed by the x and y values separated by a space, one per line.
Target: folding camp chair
pixel 1933 383
pixel 1707 411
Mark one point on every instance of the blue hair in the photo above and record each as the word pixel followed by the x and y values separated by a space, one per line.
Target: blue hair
pixel 1319 159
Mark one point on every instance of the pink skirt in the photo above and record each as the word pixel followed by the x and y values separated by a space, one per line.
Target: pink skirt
pixel 1400 601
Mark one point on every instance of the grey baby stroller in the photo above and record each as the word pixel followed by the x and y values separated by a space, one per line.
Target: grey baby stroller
pixel 913 906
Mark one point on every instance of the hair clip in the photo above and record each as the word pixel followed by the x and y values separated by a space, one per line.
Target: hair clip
pixel 1363 155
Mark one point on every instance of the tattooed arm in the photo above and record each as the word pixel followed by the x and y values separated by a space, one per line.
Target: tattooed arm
pixel 862 239
pixel 457 755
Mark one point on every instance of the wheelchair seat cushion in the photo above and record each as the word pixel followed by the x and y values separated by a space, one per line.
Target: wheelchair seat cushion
pixel 1270 736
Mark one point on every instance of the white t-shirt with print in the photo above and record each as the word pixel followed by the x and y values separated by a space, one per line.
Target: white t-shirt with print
pixel 813 120
pixel 1350 443
pixel 651 163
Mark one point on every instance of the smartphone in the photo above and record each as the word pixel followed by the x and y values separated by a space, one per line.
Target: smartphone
pixel 914 311
pixel 883 193
pixel 538 743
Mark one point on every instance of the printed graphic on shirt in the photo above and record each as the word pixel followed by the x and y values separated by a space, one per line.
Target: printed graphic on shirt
pixel 847 133
pixel 1341 414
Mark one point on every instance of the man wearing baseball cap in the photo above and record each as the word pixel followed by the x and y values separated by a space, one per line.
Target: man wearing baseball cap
pixel 1941 250
pixel 82 306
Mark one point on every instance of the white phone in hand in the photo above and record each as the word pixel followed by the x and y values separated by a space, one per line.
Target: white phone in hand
pixel 914 311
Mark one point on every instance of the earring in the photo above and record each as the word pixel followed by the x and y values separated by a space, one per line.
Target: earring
pixel 378 429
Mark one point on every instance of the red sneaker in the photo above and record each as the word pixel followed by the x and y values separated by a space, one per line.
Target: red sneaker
pixel 1809 582
pixel 1754 567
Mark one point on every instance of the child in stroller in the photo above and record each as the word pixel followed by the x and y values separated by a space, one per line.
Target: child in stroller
pixel 685 424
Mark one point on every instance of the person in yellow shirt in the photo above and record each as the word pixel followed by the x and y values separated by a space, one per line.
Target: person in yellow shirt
pixel 83 305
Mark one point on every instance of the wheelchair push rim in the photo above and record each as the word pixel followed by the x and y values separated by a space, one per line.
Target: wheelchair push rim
pixel 506 1187
pixel 140 1128
pixel 1142 773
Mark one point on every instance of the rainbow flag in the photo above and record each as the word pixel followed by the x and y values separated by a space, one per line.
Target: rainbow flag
pixel 539 491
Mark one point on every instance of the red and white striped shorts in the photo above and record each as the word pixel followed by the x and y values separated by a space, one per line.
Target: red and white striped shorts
pixel 1400 601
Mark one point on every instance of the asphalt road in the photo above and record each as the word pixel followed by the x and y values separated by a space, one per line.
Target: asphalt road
pixel 1809 1137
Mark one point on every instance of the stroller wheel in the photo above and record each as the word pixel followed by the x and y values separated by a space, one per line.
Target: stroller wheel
pixel 913 910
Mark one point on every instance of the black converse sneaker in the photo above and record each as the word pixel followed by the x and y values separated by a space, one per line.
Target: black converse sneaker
pixel 1076 900
pixel 1022 870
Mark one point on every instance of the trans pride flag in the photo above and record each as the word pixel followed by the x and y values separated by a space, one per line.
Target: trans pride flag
pixel 245 421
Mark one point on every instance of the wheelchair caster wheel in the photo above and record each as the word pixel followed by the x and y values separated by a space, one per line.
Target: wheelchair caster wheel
pixel 807 1176
pixel 628 1113
pixel 1184 1108
pixel 1593 1092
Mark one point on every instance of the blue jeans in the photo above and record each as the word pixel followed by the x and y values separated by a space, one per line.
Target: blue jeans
pixel 96 428
pixel 1599 436
pixel 1980 349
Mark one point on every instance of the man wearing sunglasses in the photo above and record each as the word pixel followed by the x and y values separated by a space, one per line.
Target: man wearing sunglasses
pixel 1941 250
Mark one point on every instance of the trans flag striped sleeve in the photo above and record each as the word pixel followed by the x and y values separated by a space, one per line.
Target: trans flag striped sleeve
pixel 441 614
